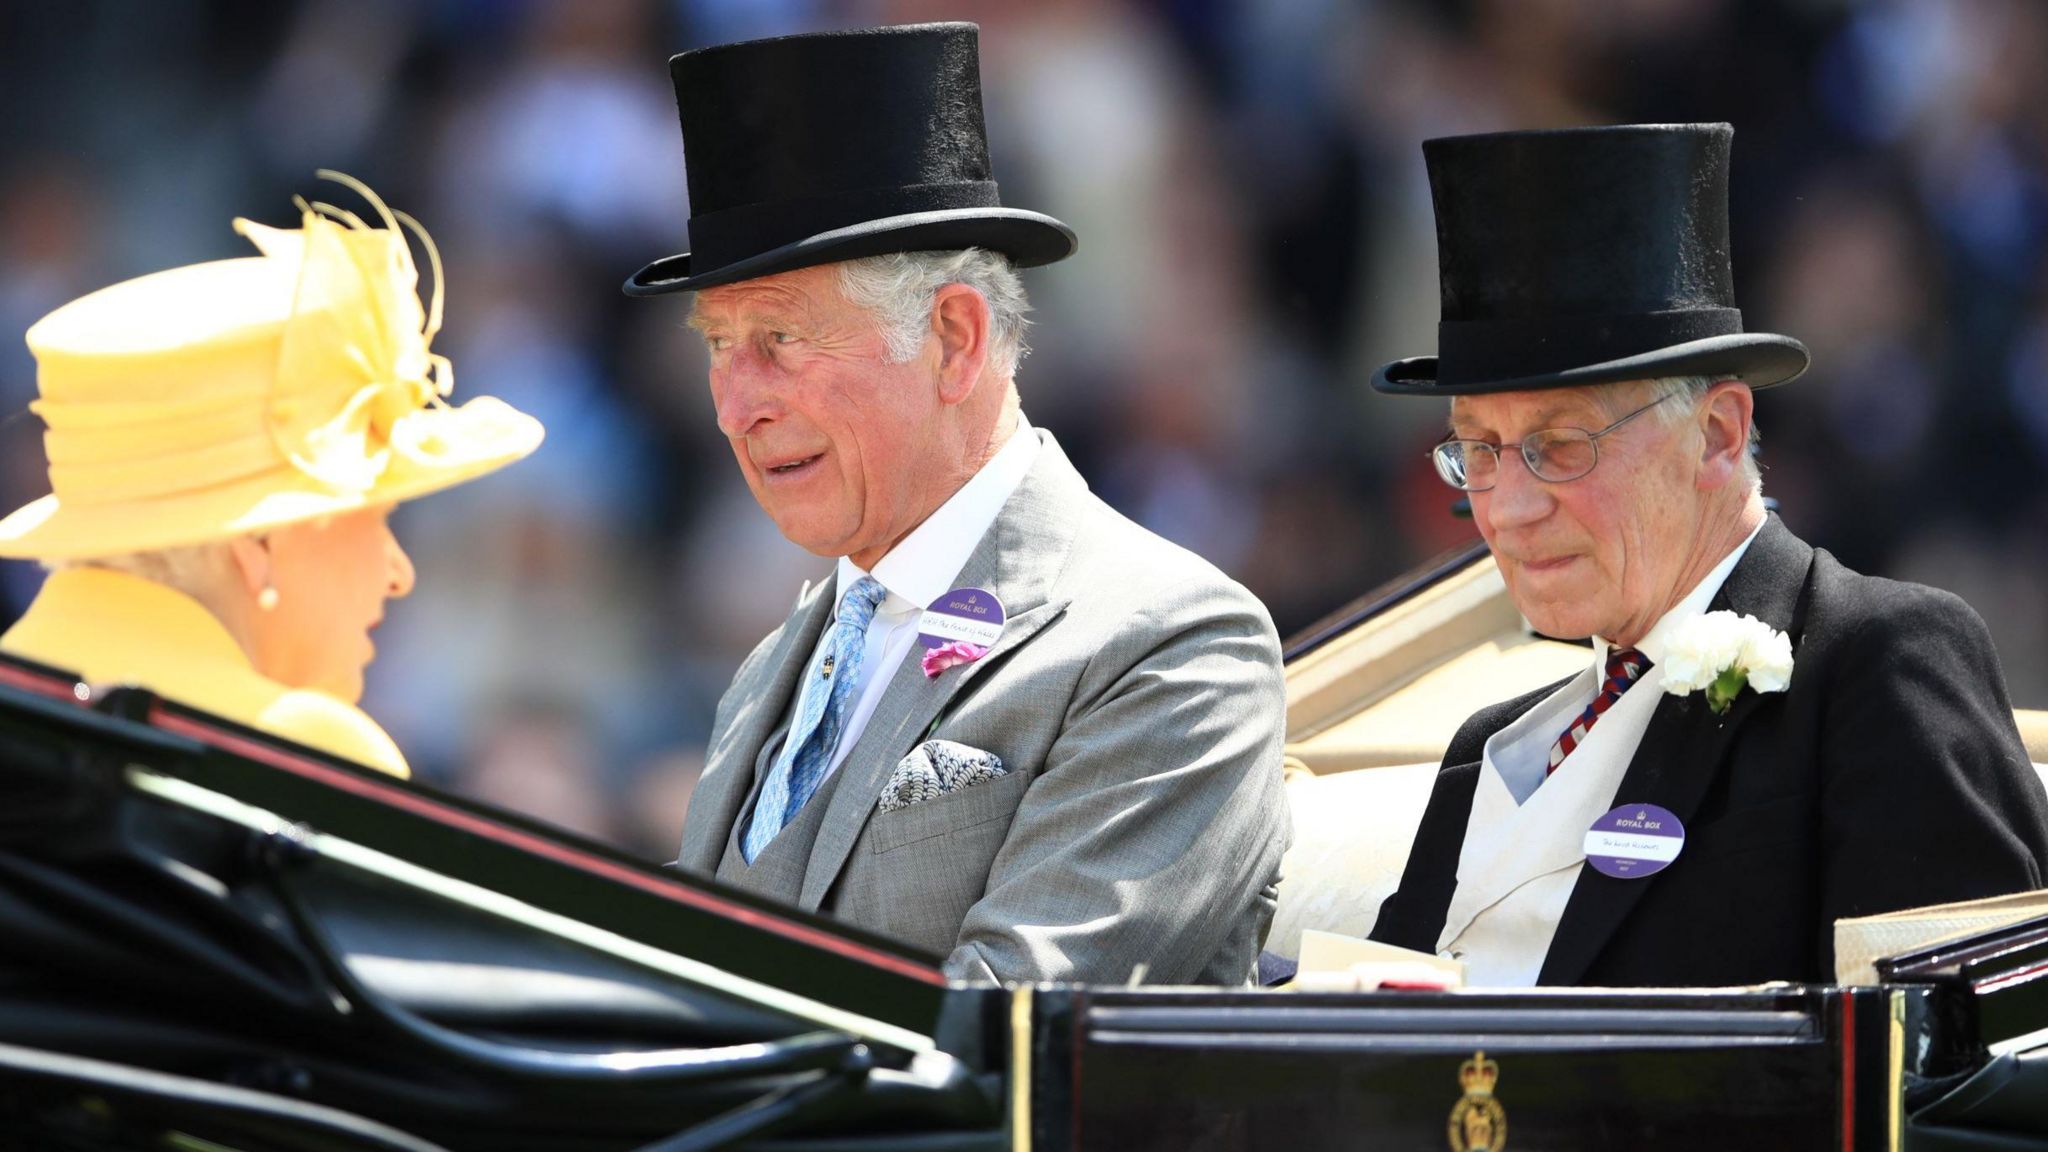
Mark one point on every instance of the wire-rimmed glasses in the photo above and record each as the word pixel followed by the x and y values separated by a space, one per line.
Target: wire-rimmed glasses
pixel 1554 455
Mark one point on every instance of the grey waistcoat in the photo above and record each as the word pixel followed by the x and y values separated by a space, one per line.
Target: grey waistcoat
pixel 778 872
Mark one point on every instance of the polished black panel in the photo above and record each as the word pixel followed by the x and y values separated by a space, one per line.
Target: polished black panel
pixel 1269 1070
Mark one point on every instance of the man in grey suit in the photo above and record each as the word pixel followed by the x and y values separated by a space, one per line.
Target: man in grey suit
pixel 1013 728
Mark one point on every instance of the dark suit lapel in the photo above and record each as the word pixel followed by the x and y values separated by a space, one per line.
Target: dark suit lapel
pixel 1413 916
pixel 1018 559
pixel 1684 749
pixel 762 691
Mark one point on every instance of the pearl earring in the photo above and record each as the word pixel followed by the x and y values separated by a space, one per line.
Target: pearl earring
pixel 267 599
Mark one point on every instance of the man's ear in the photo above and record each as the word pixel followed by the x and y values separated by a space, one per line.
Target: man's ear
pixel 960 326
pixel 1725 420
pixel 252 563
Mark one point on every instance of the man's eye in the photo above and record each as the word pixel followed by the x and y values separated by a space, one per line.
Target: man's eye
pixel 717 343
pixel 783 337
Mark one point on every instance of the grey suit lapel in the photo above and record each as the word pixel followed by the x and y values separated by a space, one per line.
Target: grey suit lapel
pixel 1018 559
pixel 761 694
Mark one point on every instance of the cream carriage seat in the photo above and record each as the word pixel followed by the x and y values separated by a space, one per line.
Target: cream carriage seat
pixel 2034 731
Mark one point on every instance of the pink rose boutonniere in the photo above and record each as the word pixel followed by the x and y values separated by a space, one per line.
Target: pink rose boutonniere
pixel 937 660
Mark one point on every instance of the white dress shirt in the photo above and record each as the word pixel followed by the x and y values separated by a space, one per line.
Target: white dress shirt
pixel 1525 839
pixel 920 569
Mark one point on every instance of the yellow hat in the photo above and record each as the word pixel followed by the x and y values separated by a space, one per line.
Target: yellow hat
pixel 214 400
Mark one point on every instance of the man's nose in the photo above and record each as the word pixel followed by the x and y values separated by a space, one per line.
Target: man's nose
pixel 743 389
pixel 1518 498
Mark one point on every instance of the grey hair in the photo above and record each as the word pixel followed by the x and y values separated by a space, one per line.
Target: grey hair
pixel 200 571
pixel 897 289
pixel 1694 388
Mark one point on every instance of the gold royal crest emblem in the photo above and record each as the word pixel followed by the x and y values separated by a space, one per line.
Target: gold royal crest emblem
pixel 1478 1122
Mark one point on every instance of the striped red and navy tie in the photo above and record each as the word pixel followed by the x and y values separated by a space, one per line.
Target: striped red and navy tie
pixel 1624 667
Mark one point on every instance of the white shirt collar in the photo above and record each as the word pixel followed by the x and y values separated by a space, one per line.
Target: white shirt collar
pixel 1694 604
pixel 921 567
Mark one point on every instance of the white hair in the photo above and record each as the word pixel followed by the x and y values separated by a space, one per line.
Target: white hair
pixel 201 571
pixel 1694 388
pixel 897 289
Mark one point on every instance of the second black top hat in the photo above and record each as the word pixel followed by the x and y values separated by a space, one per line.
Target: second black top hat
pixel 810 149
pixel 1585 256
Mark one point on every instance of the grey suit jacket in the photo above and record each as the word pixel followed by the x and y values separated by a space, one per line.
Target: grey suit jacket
pixel 1135 698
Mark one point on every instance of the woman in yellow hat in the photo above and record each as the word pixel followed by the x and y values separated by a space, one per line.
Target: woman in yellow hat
pixel 226 441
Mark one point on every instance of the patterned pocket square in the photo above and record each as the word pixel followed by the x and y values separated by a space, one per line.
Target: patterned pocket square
pixel 937 768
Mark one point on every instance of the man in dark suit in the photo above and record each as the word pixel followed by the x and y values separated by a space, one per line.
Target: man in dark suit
pixel 1702 803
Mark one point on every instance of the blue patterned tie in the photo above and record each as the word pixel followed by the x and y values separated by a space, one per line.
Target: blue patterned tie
pixel 823 702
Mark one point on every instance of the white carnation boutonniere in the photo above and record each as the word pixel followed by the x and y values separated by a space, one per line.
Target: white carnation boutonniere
pixel 1721 653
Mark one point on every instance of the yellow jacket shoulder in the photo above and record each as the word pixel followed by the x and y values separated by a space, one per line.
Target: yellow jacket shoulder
pixel 323 722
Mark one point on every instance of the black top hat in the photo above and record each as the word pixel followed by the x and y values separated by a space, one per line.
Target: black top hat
pixel 830 146
pixel 1585 256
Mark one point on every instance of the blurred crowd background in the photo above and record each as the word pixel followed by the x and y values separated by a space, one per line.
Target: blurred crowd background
pixel 1256 236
